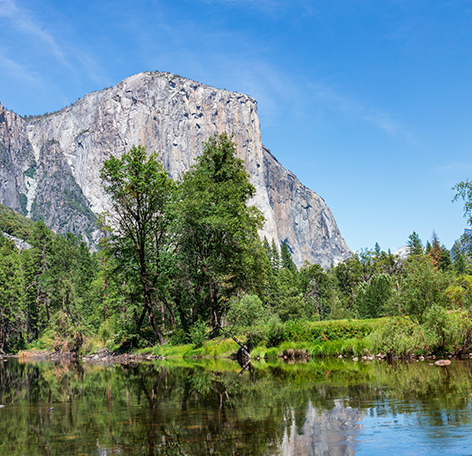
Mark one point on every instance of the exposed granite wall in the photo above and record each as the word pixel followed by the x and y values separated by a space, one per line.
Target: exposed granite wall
pixel 168 114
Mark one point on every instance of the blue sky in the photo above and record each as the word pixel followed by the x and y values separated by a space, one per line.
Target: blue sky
pixel 368 102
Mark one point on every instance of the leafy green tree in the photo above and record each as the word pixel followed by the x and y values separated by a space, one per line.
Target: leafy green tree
pixel 422 287
pixel 459 292
pixel 360 268
pixel 219 248
pixel 275 260
pixel 445 261
pixel 68 280
pixel 30 294
pixel 292 308
pixel 459 257
pixel 317 288
pixel 140 192
pixel 377 249
pixel 247 311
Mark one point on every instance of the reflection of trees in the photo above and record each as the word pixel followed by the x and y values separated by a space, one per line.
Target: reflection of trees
pixel 158 409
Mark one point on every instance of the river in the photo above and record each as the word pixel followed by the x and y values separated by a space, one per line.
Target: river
pixel 322 407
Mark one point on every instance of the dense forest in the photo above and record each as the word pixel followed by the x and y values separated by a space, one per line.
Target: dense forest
pixel 180 262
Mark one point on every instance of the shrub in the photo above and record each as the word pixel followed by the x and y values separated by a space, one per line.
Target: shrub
pixel 447 331
pixel 247 311
pixel 198 333
pixel 460 292
pixel 275 332
pixel 338 310
pixel 399 337
pixel 105 333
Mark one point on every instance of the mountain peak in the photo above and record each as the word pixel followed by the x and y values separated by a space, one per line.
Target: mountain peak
pixel 52 163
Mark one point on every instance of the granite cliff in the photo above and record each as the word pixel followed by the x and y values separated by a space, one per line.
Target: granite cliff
pixel 50 165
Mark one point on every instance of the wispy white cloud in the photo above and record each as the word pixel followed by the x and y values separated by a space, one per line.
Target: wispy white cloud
pixel 44 42
pixel 360 110
pixel 24 21
pixel 17 70
pixel 453 167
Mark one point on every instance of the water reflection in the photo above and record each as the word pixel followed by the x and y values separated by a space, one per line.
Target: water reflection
pixel 324 407
pixel 328 432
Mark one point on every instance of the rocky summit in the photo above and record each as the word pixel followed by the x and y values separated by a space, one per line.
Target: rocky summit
pixel 50 165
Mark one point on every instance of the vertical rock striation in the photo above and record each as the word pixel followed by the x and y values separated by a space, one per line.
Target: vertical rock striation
pixel 16 158
pixel 54 161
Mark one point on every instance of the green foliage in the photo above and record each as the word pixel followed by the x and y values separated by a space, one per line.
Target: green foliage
pixel 246 311
pixel 338 311
pixel 360 268
pixel 106 331
pixel 459 292
pixel 15 224
pixel 317 287
pixel 439 255
pixel 31 171
pixel 342 330
pixel 23 200
pixel 140 192
pixel 292 308
pixel 422 287
pixel 198 333
pixel 219 251
pixel 66 334
pixel 347 347
pixel 12 312
pixel 414 244
pixel 399 337
pixel 372 297
pixel 272 354
pixel 286 259
pixel 277 332
pixel 183 258
pixel 448 332
pixel 459 258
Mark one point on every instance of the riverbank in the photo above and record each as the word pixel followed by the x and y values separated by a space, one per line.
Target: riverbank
pixel 383 338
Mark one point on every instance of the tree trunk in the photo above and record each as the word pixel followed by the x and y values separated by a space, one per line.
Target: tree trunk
pixel 215 324
pixel 148 304
pixel 147 295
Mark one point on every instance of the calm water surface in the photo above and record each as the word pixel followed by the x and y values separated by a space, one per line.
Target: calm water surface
pixel 328 407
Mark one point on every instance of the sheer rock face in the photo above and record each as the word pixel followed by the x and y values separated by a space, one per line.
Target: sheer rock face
pixel 174 117
pixel 16 154
pixel 304 222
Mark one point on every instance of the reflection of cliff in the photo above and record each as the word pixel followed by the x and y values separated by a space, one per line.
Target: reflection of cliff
pixel 332 432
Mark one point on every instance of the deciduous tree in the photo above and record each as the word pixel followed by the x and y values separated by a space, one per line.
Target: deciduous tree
pixel 219 248
pixel 140 192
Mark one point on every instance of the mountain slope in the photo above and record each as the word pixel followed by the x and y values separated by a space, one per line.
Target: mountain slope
pixel 52 163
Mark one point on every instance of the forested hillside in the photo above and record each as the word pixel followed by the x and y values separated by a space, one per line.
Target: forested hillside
pixel 181 262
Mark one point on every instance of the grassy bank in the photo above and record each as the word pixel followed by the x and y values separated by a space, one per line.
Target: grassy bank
pixel 441 333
